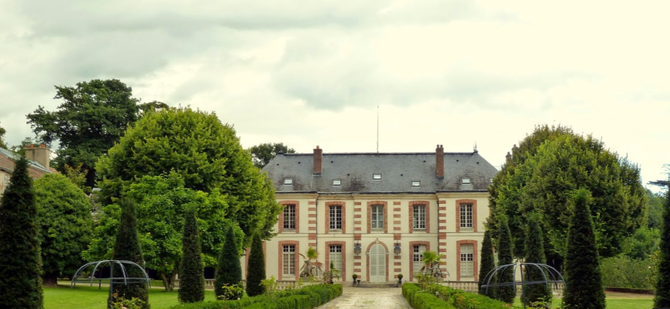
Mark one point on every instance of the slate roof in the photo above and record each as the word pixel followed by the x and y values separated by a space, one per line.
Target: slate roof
pixel 355 171
pixel 7 159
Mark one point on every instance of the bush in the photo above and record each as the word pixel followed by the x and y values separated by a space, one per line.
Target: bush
pixel 438 296
pixel 308 297
pixel 624 272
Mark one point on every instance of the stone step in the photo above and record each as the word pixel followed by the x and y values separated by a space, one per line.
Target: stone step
pixel 390 284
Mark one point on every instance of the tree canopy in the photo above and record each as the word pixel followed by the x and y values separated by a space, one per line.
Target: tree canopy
pixel 548 165
pixel 65 225
pixel 263 153
pixel 162 202
pixel 2 137
pixel 90 119
pixel 208 156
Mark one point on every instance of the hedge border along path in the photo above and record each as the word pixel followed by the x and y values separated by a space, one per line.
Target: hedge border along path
pixel 307 297
pixel 447 298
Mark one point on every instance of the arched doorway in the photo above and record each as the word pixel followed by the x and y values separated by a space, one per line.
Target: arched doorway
pixel 377 263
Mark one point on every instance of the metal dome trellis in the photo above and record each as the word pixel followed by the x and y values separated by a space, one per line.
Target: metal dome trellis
pixel 121 264
pixel 550 275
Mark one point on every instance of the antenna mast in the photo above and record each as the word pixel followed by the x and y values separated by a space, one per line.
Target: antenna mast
pixel 377 128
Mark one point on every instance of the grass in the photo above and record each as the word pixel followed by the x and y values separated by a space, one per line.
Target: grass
pixel 614 301
pixel 85 297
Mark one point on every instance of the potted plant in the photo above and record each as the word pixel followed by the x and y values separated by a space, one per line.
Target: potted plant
pixel 399 279
pixel 354 276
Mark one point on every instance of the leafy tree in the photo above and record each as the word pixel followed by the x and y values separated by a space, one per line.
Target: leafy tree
pixel 505 249
pixel 539 176
pixel 655 209
pixel 662 298
pixel 263 153
pixel 535 254
pixel 127 247
pixel 583 280
pixel 256 268
pixel 642 244
pixel 90 119
pixel 162 201
pixel 229 271
pixel 65 225
pixel 2 138
pixel 77 176
pixel 192 279
pixel 487 265
pixel 20 264
pixel 208 156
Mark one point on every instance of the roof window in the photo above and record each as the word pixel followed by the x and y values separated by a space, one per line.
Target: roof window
pixel 465 181
pixel 416 183
pixel 337 183
pixel 288 181
pixel 377 176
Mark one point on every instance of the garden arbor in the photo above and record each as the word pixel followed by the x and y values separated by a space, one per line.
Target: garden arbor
pixel 90 270
pixel 550 277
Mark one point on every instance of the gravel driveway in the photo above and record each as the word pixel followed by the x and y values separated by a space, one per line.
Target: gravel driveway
pixel 386 298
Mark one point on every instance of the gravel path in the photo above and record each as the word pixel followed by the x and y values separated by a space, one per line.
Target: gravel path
pixel 382 298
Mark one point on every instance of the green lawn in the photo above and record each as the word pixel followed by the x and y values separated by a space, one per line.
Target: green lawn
pixel 615 302
pixel 84 297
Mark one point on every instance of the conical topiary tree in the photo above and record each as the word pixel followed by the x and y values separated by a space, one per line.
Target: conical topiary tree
pixel 505 249
pixel 534 248
pixel 583 281
pixel 256 268
pixel 487 264
pixel 229 271
pixel 127 247
pixel 20 262
pixel 662 298
pixel 191 274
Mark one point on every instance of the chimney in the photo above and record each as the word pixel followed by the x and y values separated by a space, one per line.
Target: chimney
pixel 508 158
pixel 39 154
pixel 318 161
pixel 439 161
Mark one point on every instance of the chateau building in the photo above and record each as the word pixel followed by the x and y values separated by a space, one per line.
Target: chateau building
pixel 373 214
pixel 38 163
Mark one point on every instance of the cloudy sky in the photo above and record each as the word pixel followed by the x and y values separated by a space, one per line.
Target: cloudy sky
pixel 309 73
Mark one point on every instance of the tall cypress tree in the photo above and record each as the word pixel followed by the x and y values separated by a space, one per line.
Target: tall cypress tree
pixel 534 248
pixel 20 262
pixel 256 268
pixel 487 265
pixel 229 271
pixel 127 248
pixel 505 293
pixel 662 298
pixel 583 281
pixel 192 276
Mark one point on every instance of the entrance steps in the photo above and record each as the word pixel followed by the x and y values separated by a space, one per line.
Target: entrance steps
pixel 390 284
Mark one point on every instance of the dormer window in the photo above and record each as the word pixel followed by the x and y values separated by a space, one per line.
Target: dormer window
pixel 288 181
pixel 416 183
pixel 377 176
pixel 465 181
pixel 337 183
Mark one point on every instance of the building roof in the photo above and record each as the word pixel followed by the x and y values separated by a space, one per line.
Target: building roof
pixel 7 158
pixel 355 172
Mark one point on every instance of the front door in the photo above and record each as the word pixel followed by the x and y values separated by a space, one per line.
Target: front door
pixel 377 263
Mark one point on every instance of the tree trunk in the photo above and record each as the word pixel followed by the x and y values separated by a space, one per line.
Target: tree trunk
pixel 50 279
pixel 169 280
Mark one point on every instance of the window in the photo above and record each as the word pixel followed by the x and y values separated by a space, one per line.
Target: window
pixel 289 217
pixel 337 183
pixel 289 260
pixel 377 176
pixel 288 181
pixel 416 183
pixel 335 257
pixel 336 217
pixel 467 260
pixel 417 255
pixel 377 217
pixel 419 217
pixel 465 181
pixel 466 216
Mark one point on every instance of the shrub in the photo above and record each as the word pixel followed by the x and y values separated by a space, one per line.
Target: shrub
pixel 624 272
pixel 505 249
pixel 192 281
pixel 443 297
pixel 229 271
pixel 256 268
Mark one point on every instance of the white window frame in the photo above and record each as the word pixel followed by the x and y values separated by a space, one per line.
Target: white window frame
pixel 377 176
pixel 467 260
pixel 466 215
pixel 288 181
pixel 377 217
pixel 417 256
pixel 416 183
pixel 419 217
pixel 335 250
pixel 289 217
pixel 335 212
pixel 288 267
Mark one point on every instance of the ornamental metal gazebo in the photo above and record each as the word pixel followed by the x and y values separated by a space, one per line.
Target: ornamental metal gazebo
pixel 550 276
pixel 93 272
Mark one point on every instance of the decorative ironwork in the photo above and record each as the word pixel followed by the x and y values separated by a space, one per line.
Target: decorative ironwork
pixel 550 276
pixel 96 273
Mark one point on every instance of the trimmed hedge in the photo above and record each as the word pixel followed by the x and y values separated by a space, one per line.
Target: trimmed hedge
pixel 444 297
pixel 310 296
